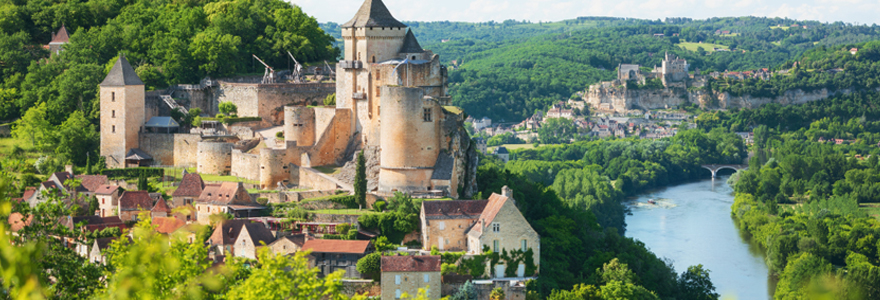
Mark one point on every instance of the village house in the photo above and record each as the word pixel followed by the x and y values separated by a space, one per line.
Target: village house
pixel 132 204
pixel 191 186
pixel 227 197
pixel 444 223
pixel 160 209
pixel 502 153
pixel 501 226
pixel 289 244
pixel 108 199
pixel 407 274
pixel 224 236
pixel 90 183
pixel 481 144
pixel 96 254
pixel 92 223
pixel 251 238
pixel 332 255
pixel 482 123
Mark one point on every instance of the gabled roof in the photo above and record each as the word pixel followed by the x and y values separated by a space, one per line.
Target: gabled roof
pixel 411 263
pixel 106 189
pixel 496 201
pixel 121 74
pixel 222 194
pixel 227 232
pixel 137 154
pixel 373 13
pixel 135 200
pixel 103 243
pixel 191 185
pixel 501 150
pixel 336 246
pixel 410 44
pixel 62 176
pixel 29 192
pixel 92 182
pixel 61 37
pixel 167 225
pixel 49 185
pixel 163 122
pixel 298 239
pixel 161 206
pixel 456 208
pixel 258 233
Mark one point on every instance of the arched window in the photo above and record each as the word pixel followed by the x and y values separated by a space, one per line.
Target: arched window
pixel 374 59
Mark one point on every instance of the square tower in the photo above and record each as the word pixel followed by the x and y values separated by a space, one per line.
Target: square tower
pixel 122 112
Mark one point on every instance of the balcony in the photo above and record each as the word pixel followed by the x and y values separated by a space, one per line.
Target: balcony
pixel 351 64
pixel 359 96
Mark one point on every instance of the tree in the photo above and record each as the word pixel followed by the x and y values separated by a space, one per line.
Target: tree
pixel 695 284
pixel 360 180
pixel 142 184
pixel 34 126
pixel 330 100
pixel 370 264
pixel 271 278
pixel 228 108
pixel 496 294
pixel 467 291
pixel 76 138
pixel 93 205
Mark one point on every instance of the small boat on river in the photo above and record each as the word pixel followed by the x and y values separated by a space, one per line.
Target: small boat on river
pixel 651 201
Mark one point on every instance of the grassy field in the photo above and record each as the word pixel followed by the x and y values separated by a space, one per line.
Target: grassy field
pixel 177 173
pixel 780 27
pixel 706 46
pixel 513 146
pixel 730 34
pixel 342 211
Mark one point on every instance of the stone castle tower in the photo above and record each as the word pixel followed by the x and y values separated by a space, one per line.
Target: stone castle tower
pixel 122 112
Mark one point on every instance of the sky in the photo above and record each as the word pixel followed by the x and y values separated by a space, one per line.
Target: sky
pixel 850 11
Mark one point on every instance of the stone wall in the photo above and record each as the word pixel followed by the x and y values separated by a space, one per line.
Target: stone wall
pixel 450 231
pixel 368 288
pixel 186 149
pixel 316 180
pixel 397 283
pixel 215 158
pixel 299 196
pixel 328 218
pixel 268 100
pixel 245 165
pixel 411 144
pixel 484 289
pixel 160 146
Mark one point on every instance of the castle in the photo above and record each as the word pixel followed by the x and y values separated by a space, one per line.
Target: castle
pixel 615 96
pixel 384 75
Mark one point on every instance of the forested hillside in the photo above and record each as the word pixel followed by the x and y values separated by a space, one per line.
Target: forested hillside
pixel 510 69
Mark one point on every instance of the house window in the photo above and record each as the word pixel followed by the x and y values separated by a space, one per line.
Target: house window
pixel 496 227
pixel 112 96
pixel 113 128
pixel 525 245
pixel 495 246
pixel 102 200
pixel 112 113
pixel 397 294
pixel 397 281
pixel 427 115
pixel 427 278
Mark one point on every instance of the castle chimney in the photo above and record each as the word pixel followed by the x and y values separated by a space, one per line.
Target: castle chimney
pixel 506 192
pixel 69 169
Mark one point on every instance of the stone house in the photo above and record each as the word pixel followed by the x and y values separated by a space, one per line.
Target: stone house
pixel 332 255
pixel 160 209
pixel 96 254
pixel 92 223
pixel 133 203
pixel 45 187
pixel 191 186
pixel 224 236
pixel 91 183
pixel 251 238
pixel 502 153
pixel 444 223
pixel 289 244
pixel 406 274
pixel 108 199
pixel 227 197
pixel 501 226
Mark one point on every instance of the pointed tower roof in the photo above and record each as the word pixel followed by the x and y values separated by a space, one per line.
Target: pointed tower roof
pixel 373 13
pixel 410 44
pixel 122 74
pixel 61 37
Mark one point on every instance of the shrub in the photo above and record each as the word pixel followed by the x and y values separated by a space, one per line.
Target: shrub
pixel 370 264
pixel 279 134
pixel 262 200
pixel 379 206
pixel 227 108
pixel 133 172
pixel 330 100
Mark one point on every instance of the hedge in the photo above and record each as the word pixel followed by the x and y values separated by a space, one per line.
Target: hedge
pixel 133 172
pixel 350 201
pixel 233 120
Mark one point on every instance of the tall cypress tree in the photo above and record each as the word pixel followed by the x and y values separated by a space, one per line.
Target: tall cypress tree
pixel 360 180
pixel 142 181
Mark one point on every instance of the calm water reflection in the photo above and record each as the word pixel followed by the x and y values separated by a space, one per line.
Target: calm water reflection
pixel 690 224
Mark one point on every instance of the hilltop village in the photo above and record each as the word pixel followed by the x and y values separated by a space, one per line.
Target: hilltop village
pixel 276 169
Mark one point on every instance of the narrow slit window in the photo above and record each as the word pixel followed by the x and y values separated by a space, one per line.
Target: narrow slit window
pixel 427 115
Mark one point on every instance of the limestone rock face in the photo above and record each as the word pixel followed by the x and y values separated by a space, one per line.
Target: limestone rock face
pixel 349 170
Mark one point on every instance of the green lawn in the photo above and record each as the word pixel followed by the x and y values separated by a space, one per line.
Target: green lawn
pixel 342 211
pixel 706 46
pixel 330 170
pixel 513 146
pixel 780 27
pixel 178 175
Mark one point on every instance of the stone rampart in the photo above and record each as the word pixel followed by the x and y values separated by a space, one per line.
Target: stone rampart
pixel 215 158
pixel 186 149
pixel 160 146
pixel 268 100
pixel 328 218
pixel 245 165
pixel 316 180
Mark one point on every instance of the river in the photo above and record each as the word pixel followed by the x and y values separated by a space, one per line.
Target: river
pixel 690 225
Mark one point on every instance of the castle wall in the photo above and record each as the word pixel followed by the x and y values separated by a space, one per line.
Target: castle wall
pixel 198 98
pixel 272 167
pixel 215 158
pixel 315 180
pixel 245 165
pixel 154 106
pixel 267 100
pixel 186 149
pixel 299 125
pixel 411 145
pixel 336 135
pixel 160 146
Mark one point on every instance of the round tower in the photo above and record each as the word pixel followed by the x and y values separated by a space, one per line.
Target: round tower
pixel 272 168
pixel 299 125
pixel 215 158
pixel 408 139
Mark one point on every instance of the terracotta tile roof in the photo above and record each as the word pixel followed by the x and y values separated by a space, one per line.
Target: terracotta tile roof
pixel 17 223
pixel 92 182
pixel 258 233
pixel 161 206
pixel 455 208
pixel 223 194
pixel 60 37
pixel 496 201
pixel 227 233
pixel 411 263
pixel 336 246
pixel 62 176
pixel 29 192
pixel 298 239
pixel 106 189
pixel 167 225
pixel 135 200
pixel 191 185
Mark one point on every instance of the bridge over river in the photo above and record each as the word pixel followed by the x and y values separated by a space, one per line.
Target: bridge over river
pixel 714 168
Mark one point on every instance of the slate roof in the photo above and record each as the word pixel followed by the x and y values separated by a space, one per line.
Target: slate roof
pixel 501 150
pixel 298 239
pixel 92 182
pixel 443 166
pixel 103 243
pixel 191 185
pixel 411 263
pixel 61 37
pixel 496 201
pixel 163 122
pixel 373 13
pixel 135 200
pixel 91 222
pixel 258 233
pixel 62 176
pixel 469 209
pixel 106 189
pixel 336 246
pixel 410 44
pixel 121 74
pixel 137 154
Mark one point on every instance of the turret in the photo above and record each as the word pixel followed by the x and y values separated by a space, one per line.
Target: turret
pixel 122 112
